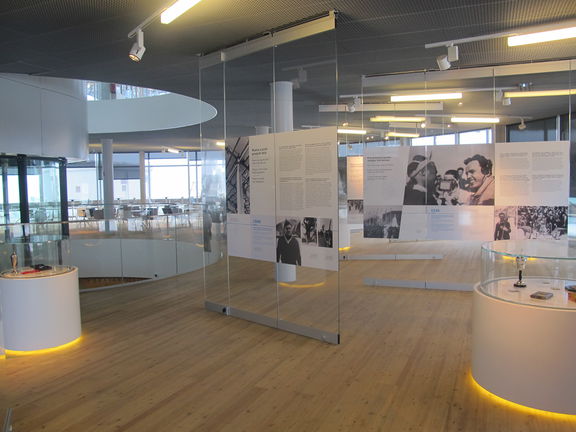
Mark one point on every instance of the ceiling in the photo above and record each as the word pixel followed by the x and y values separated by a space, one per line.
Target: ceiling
pixel 87 39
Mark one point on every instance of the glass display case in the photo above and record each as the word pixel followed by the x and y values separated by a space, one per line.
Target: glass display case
pixel 524 313
pixel 30 250
pixel 532 272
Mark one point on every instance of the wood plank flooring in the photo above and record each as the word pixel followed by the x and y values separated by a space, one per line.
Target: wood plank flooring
pixel 153 359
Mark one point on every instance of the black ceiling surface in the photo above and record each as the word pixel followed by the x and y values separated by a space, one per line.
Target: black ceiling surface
pixel 87 39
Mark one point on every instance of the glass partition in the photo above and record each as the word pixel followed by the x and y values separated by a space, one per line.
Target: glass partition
pixel 478 108
pixel 212 136
pixel 252 281
pixel 309 302
pixel 285 84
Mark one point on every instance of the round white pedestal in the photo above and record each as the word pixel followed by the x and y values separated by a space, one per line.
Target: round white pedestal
pixel 525 353
pixel 285 272
pixel 40 312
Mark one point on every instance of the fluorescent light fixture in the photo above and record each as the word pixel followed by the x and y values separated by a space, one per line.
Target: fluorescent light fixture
pixel 475 120
pixel 352 131
pixel 402 135
pixel 138 49
pixel 220 143
pixel 545 36
pixel 425 97
pixel 542 93
pixel 170 150
pixel 177 9
pixel 397 119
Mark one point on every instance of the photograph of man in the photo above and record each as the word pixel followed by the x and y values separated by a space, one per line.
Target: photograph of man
pixel 480 180
pixel 503 229
pixel 325 233
pixel 420 188
pixel 287 246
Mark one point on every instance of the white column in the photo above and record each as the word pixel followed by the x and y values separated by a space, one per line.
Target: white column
pixel 262 130
pixel 282 106
pixel 142 169
pixel 108 178
pixel 283 121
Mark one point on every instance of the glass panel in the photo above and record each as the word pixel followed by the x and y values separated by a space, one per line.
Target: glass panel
pixel 10 190
pixel 310 302
pixel 92 238
pixel 252 281
pixel 214 188
pixel 43 180
pixel 148 247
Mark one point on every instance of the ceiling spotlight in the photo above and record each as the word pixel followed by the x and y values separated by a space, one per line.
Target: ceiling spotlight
pixel 452 53
pixel 443 63
pixel 423 125
pixel 138 48
pixel 522 125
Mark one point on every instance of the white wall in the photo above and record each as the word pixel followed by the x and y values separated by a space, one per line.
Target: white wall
pixel 42 116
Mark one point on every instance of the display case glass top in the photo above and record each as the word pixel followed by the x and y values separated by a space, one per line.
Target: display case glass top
pixel 544 249
pixel 38 272
pixel 539 273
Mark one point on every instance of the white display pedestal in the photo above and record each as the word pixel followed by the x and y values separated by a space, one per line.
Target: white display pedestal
pixel 41 310
pixel 525 353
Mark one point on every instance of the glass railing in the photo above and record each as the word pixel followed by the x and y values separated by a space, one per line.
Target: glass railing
pixel 94 91
pixel 113 251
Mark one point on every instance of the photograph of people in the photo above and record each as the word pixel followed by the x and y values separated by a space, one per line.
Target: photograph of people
pixel 310 237
pixel 382 221
pixel 480 180
pixel 287 245
pixel 420 186
pixel 536 222
pixel 325 233
pixel 503 229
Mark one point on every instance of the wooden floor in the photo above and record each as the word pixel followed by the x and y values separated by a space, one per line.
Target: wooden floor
pixel 153 359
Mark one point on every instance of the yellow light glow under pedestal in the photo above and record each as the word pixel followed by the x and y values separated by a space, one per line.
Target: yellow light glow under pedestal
pixel 521 408
pixel 45 350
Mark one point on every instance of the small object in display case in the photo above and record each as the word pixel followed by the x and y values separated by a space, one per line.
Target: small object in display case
pixel 541 295
pixel 520 265
pixel 571 291
pixel 14 259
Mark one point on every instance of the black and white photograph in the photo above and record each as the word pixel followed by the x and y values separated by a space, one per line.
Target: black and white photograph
pixel 355 207
pixel 238 176
pixel 382 221
pixel 505 223
pixel 451 175
pixel 288 240
pixel 325 232
pixel 540 222
pixel 309 232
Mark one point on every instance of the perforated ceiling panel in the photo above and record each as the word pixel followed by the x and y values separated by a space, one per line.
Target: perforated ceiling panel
pixel 88 38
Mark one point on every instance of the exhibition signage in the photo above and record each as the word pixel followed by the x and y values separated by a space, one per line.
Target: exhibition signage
pixel 281 197
pixel 465 192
